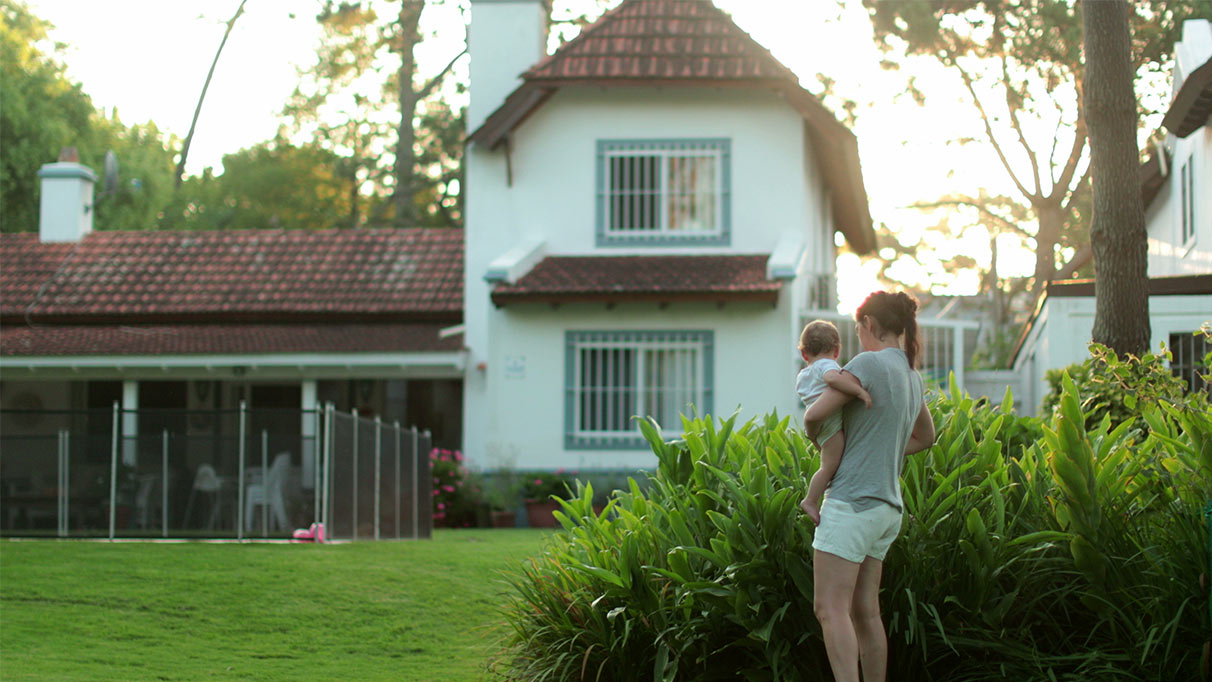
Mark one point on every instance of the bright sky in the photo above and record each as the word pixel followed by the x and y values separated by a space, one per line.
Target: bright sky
pixel 149 59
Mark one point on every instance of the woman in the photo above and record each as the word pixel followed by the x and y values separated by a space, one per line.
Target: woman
pixel 862 511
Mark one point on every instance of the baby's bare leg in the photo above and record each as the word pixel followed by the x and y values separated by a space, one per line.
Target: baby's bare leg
pixel 831 459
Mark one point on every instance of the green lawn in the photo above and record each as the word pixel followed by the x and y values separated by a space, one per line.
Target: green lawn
pixel 411 610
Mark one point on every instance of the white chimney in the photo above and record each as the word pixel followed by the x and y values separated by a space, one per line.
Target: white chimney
pixel 66 211
pixel 506 38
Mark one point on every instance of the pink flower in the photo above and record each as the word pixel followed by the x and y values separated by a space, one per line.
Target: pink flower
pixel 437 481
pixel 448 488
pixel 441 505
pixel 458 456
pixel 559 471
pixel 538 481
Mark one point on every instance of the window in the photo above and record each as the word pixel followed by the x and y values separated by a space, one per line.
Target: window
pixel 663 192
pixel 1186 181
pixel 611 376
pixel 1188 351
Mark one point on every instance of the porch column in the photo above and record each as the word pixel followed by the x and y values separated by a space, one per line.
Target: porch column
pixel 309 405
pixel 130 422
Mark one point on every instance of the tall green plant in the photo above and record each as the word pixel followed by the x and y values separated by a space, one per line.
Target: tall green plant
pixel 1030 550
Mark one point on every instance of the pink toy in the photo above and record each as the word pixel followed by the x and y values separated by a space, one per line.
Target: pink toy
pixel 313 534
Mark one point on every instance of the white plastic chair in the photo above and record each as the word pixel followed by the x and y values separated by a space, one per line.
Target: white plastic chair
pixel 268 492
pixel 207 482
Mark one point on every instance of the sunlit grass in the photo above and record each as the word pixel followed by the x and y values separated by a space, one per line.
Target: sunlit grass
pixel 412 610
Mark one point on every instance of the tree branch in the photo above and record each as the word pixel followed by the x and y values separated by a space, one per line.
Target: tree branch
pixel 1018 128
pixel 1075 155
pixel 433 82
pixel 989 130
pixel 982 208
pixel 198 109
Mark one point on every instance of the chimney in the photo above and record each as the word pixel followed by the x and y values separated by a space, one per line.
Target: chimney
pixel 506 38
pixel 66 211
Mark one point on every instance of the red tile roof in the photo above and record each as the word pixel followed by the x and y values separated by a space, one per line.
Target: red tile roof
pixel 229 275
pixel 185 339
pixel 566 279
pixel 662 39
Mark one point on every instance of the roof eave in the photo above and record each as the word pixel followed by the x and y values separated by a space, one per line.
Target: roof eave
pixel 1192 104
pixel 502 299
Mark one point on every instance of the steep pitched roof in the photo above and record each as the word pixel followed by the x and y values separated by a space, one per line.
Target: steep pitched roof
pixel 689 43
pixel 253 274
pixel 662 39
pixel 613 279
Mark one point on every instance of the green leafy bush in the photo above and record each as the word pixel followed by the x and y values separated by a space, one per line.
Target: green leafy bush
pixel 1030 550
pixel 1108 385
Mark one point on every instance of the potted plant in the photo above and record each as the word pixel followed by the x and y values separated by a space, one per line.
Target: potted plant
pixel 539 489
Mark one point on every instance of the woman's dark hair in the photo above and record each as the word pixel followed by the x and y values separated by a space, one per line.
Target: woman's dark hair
pixel 895 313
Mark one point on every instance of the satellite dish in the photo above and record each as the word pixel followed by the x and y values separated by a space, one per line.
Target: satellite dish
pixel 111 173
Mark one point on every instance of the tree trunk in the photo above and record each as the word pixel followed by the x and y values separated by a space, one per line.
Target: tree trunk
pixel 408 36
pixel 1117 230
pixel 1051 220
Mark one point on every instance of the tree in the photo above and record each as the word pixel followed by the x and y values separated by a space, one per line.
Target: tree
pixel 43 111
pixel 1117 231
pixel 271 185
pixel 1020 63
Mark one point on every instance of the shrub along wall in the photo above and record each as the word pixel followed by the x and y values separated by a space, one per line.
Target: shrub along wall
pixel 1030 550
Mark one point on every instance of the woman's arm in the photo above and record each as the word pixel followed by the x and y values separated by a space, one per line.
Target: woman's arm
pixel 923 435
pixel 829 402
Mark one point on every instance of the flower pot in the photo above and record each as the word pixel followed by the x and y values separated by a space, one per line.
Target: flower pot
pixel 539 514
pixel 504 519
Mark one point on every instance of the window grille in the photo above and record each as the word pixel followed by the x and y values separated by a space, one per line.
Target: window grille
pixel 663 191
pixel 1188 351
pixel 612 376
pixel 1186 183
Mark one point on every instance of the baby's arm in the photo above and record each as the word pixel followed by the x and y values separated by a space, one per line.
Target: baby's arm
pixel 847 383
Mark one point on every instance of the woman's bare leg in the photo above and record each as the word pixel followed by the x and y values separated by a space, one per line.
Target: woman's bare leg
pixel 868 624
pixel 833 590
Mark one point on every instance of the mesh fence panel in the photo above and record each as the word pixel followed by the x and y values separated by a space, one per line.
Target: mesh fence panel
pixel 233 473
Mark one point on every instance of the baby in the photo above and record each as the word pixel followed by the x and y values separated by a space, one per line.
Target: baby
pixel 820 345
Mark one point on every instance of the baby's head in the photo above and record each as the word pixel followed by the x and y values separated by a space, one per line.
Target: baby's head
pixel 819 340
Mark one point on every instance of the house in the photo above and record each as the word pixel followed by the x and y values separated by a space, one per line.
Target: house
pixel 1177 190
pixel 182 328
pixel 649 211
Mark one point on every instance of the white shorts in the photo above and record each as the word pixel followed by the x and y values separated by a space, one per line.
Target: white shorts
pixel 854 536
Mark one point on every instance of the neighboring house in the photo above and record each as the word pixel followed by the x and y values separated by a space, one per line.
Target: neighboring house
pixel 650 210
pixel 1177 189
pixel 171 320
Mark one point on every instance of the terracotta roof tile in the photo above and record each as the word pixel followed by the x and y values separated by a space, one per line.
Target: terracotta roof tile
pixel 658 278
pixel 662 40
pixel 262 272
pixel 185 339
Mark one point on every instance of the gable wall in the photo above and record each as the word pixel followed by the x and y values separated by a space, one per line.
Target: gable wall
pixel 1167 255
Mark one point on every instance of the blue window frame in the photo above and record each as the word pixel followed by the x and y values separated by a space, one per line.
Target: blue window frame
pixel 611 376
pixel 664 192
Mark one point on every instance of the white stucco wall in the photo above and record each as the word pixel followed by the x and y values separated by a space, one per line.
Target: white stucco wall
pixel 1168 254
pixel 1064 327
pixel 519 418
pixel 520 422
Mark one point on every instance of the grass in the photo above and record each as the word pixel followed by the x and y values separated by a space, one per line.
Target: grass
pixel 413 610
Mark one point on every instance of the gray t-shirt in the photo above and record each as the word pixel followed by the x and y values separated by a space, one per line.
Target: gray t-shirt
pixel 876 438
